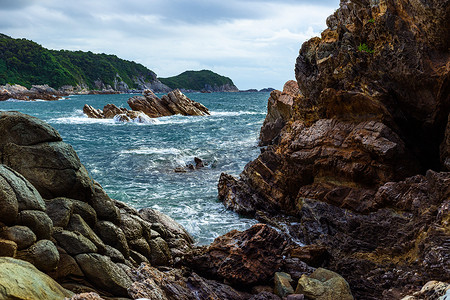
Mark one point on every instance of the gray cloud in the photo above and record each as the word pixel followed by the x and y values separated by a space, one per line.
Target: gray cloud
pixel 255 42
pixel 15 4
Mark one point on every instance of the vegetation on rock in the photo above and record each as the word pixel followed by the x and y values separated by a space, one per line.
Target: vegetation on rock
pixel 203 80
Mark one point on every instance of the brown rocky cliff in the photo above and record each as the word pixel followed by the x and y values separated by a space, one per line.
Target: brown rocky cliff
pixel 351 162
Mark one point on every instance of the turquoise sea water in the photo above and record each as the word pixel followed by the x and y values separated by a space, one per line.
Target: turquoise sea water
pixel 134 162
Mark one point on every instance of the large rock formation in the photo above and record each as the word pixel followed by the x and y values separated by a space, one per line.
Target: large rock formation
pixel 53 215
pixel 357 156
pixel 175 102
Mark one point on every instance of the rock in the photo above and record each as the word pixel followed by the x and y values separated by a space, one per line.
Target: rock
pixel 67 268
pixel 74 242
pixel 313 255
pixel 323 284
pixel 21 235
pixel 283 285
pixel 265 296
pixel 138 258
pixel 59 210
pixel 113 236
pixel 115 255
pixel 43 255
pixel 140 245
pixel 104 206
pixel 131 227
pixel 445 148
pixel 110 111
pixel 242 258
pixel 8 248
pixel 432 290
pixel 86 211
pixel 173 103
pixel 38 222
pixel 87 296
pixel 21 280
pixel 77 224
pixel 160 252
pixel 9 206
pixel 173 228
pixel 104 273
pixel 198 163
pixel 295 297
pixel 279 111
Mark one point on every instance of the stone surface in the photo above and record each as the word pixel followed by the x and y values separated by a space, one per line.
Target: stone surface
pixel 38 222
pixel 74 242
pixel 79 225
pixel 86 211
pixel 243 258
pixel 43 255
pixel 104 206
pixel 323 284
pixel 21 280
pixel 21 235
pixel 7 248
pixel 59 210
pixel 282 282
pixel 104 273
pixel 160 252
pixel 113 236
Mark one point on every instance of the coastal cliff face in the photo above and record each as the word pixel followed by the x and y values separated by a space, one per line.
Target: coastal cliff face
pixel 357 156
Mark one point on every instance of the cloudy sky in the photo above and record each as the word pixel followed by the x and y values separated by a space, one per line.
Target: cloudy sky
pixel 254 42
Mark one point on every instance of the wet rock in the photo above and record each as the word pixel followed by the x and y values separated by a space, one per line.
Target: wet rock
pixel 21 235
pixel 140 245
pixel 265 296
pixel 323 284
pixel 21 280
pixel 113 236
pixel 109 112
pixel 243 258
pixel 283 285
pixel 86 211
pixel 131 227
pixel 9 206
pixel 198 163
pixel 104 273
pixel 74 242
pixel 59 210
pixel 432 290
pixel 38 222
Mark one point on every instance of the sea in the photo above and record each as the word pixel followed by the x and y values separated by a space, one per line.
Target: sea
pixel 135 162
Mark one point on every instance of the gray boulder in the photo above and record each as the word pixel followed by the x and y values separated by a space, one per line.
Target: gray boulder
pixel 9 206
pixel 74 242
pixel 59 210
pixel 38 222
pixel 105 274
pixel 79 225
pixel 104 206
pixel 43 255
pixel 21 235
pixel 113 236
pixel 160 254
pixel 86 211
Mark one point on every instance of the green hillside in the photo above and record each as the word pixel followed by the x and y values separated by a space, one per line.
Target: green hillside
pixel 25 62
pixel 204 80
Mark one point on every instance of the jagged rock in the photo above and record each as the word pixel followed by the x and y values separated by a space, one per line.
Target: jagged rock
pixel 21 280
pixel 160 253
pixel 432 290
pixel 93 112
pixel 265 296
pixel 243 258
pixel 87 296
pixel 42 92
pixel 59 210
pixel 173 103
pixel 109 112
pixel 38 222
pixel 323 284
pixel 74 242
pixel 104 273
pixel 21 235
pixel 43 255
pixel 279 111
pixel 113 236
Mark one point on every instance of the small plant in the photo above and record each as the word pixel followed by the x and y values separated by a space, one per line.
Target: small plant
pixel 364 48
pixel 371 21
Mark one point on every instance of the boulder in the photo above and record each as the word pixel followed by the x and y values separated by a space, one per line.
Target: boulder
pixel 21 235
pixel 160 252
pixel 21 280
pixel 77 224
pixel 86 211
pixel 104 206
pixel 283 285
pixel 8 248
pixel 43 255
pixel 243 258
pixel 74 242
pixel 9 206
pixel 323 284
pixel 104 273
pixel 113 236
pixel 38 222
pixel 140 245
pixel 59 210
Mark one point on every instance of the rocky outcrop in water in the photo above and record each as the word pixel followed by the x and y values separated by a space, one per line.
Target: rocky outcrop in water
pixel 358 157
pixel 149 104
pixel 37 92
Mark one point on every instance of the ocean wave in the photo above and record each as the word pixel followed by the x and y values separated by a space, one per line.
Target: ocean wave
pixel 234 113
pixel 152 150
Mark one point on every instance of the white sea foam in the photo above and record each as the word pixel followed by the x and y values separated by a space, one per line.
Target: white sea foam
pixel 152 150
pixel 234 113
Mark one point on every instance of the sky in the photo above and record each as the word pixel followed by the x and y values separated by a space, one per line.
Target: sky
pixel 254 42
